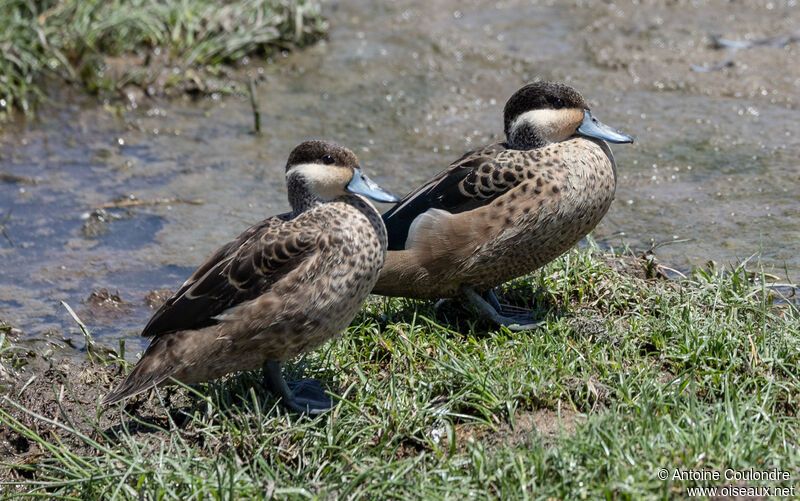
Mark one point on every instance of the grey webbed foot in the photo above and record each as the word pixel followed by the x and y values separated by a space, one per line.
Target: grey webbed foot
pixel 492 310
pixel 309 396
pixel 305 396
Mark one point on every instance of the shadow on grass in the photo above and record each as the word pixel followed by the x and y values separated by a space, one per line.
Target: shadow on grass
pixel 456 314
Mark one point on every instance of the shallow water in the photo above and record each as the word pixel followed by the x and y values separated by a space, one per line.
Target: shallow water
pixel 409 87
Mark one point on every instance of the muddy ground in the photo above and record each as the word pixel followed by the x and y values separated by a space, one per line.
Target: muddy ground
pixel 67 395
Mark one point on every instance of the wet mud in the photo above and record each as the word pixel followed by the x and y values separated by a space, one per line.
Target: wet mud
pixel 62 402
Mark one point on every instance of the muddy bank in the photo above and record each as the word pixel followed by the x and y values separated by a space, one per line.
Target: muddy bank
pixel 62 403
pixel 136 49
pixel 624 353
pixel 409 86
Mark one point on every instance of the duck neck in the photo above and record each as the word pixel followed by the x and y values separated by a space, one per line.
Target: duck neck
pixel 525 137
pixel 300 196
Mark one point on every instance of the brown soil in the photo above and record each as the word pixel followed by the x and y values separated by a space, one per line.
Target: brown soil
pixel 63 401
pixel 104 307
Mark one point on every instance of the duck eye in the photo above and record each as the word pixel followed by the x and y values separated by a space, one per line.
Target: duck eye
pixel 327 160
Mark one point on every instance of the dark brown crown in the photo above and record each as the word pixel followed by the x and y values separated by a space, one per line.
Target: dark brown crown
pixel 316 151
pixel 539 96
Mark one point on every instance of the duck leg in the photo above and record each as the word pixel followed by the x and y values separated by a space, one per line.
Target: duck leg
pixel 492 310
pixel 493 301
pixel 303 396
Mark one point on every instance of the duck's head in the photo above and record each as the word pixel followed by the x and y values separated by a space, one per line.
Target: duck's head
pixel 547 112
pixel 321 171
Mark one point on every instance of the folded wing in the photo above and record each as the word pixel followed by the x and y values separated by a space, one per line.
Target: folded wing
pixel 474 180
pixel 239 271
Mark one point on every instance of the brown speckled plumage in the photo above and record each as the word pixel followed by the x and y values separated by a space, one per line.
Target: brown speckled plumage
pixel 504 210
pixel 283 287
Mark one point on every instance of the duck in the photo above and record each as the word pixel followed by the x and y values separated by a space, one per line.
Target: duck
pixel 506 209
pixel 283 287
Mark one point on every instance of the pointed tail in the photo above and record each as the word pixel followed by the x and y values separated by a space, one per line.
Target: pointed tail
pixel 155 366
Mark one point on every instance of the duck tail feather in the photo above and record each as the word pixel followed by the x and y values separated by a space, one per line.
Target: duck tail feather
pixel 152 369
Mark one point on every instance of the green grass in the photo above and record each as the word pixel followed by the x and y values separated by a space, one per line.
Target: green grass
pixel 75 40
pixel 627 376
pixel 13 358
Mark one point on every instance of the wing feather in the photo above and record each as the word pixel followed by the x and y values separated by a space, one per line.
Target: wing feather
pixel 473 181
pixel 239 271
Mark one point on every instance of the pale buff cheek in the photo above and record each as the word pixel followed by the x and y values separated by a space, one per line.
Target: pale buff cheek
pixel 570 121
pixel 325 181
pixel 553 125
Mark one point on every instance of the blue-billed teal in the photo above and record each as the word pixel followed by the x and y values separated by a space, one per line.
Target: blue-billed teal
pixel 506 209
pixel 283 287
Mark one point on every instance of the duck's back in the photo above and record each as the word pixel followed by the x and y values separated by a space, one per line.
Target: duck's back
pixel 519 210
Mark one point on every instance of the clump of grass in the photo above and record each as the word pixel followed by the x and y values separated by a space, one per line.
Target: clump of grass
pixel 628 375
pixel 75 40
pixel 13 358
